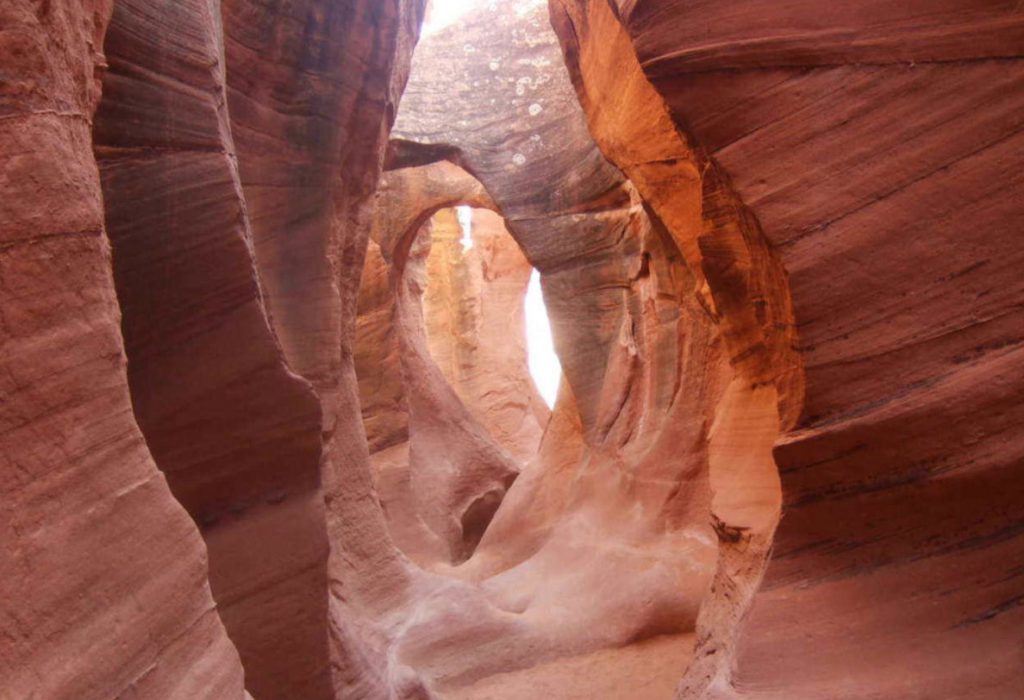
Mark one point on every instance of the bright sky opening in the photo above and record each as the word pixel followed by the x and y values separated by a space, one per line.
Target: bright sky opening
pixel 442 13
pixel 545 368
pixel 465 216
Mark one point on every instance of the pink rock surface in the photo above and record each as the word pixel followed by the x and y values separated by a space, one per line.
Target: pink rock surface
pixel 104 584
pixel 312 88
pixel 779 247
pixel 237 433
pixel 646 422
pixel 474 312
pixel 450 435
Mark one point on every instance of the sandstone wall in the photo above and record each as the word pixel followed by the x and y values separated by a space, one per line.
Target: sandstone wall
pixel 779 245
pixel 474 308
pixel 312 90
pixel 449 405
pixel 647 418
pixel 104 586
pixel 237 433
pixel 877 146
pixel 226 128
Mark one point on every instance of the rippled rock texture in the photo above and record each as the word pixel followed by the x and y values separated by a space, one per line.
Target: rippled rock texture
pixel 229 135
pixel 879 147
pixel 104 586
pixel 266 426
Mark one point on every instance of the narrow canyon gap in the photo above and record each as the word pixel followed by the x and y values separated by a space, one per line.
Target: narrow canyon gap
pixel 270 421
pixel 656 458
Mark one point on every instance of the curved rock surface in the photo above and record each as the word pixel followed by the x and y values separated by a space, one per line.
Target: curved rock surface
pixel 104 584
pixel 475 316
pixel 449 437
pixel 312 89
pixel 651 413
pixel 878 148
pixel 237 433
pixel 266 426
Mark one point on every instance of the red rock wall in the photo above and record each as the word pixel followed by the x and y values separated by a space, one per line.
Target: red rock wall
pixel 623 484
pixel 312 88
pixel 719 196
pixel 446 391
pixel 404 202
pixel 878 147
pixel 237 433
pixel 127 607
pixel 738 282
pixel 104 586
pixel 434 458
pixel 458 471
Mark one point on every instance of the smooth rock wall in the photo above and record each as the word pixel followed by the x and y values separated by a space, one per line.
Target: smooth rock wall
pixel 236 432
pixel 111 572
pixel 104 583
pixel 312 90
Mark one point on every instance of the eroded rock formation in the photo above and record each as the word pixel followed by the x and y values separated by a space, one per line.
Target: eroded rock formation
pixel 664 427
pixel 878 147
pixel 236 431
pixel 266 425
pixel 449 437
pixel 473 308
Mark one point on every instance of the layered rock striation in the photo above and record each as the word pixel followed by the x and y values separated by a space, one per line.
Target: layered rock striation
pixel 111 572
pixel 474 310
pixel 236 432
pixel 266 425
pixel 105 590
pixel 876 146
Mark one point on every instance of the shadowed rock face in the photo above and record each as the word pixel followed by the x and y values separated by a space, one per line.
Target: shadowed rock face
pixel 237 433
pixel 111 573
pixel 309 93
pixel 877 146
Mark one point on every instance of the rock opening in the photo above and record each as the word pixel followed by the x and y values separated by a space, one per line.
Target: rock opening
pixel 656 458
pixel 545 368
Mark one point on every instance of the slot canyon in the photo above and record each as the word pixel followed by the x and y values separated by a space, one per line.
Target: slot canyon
pixel 511 350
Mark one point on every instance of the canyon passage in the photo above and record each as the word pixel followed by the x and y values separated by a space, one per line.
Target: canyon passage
pixel 511 349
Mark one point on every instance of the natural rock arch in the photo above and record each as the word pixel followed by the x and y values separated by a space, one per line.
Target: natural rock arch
pixel 671 347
